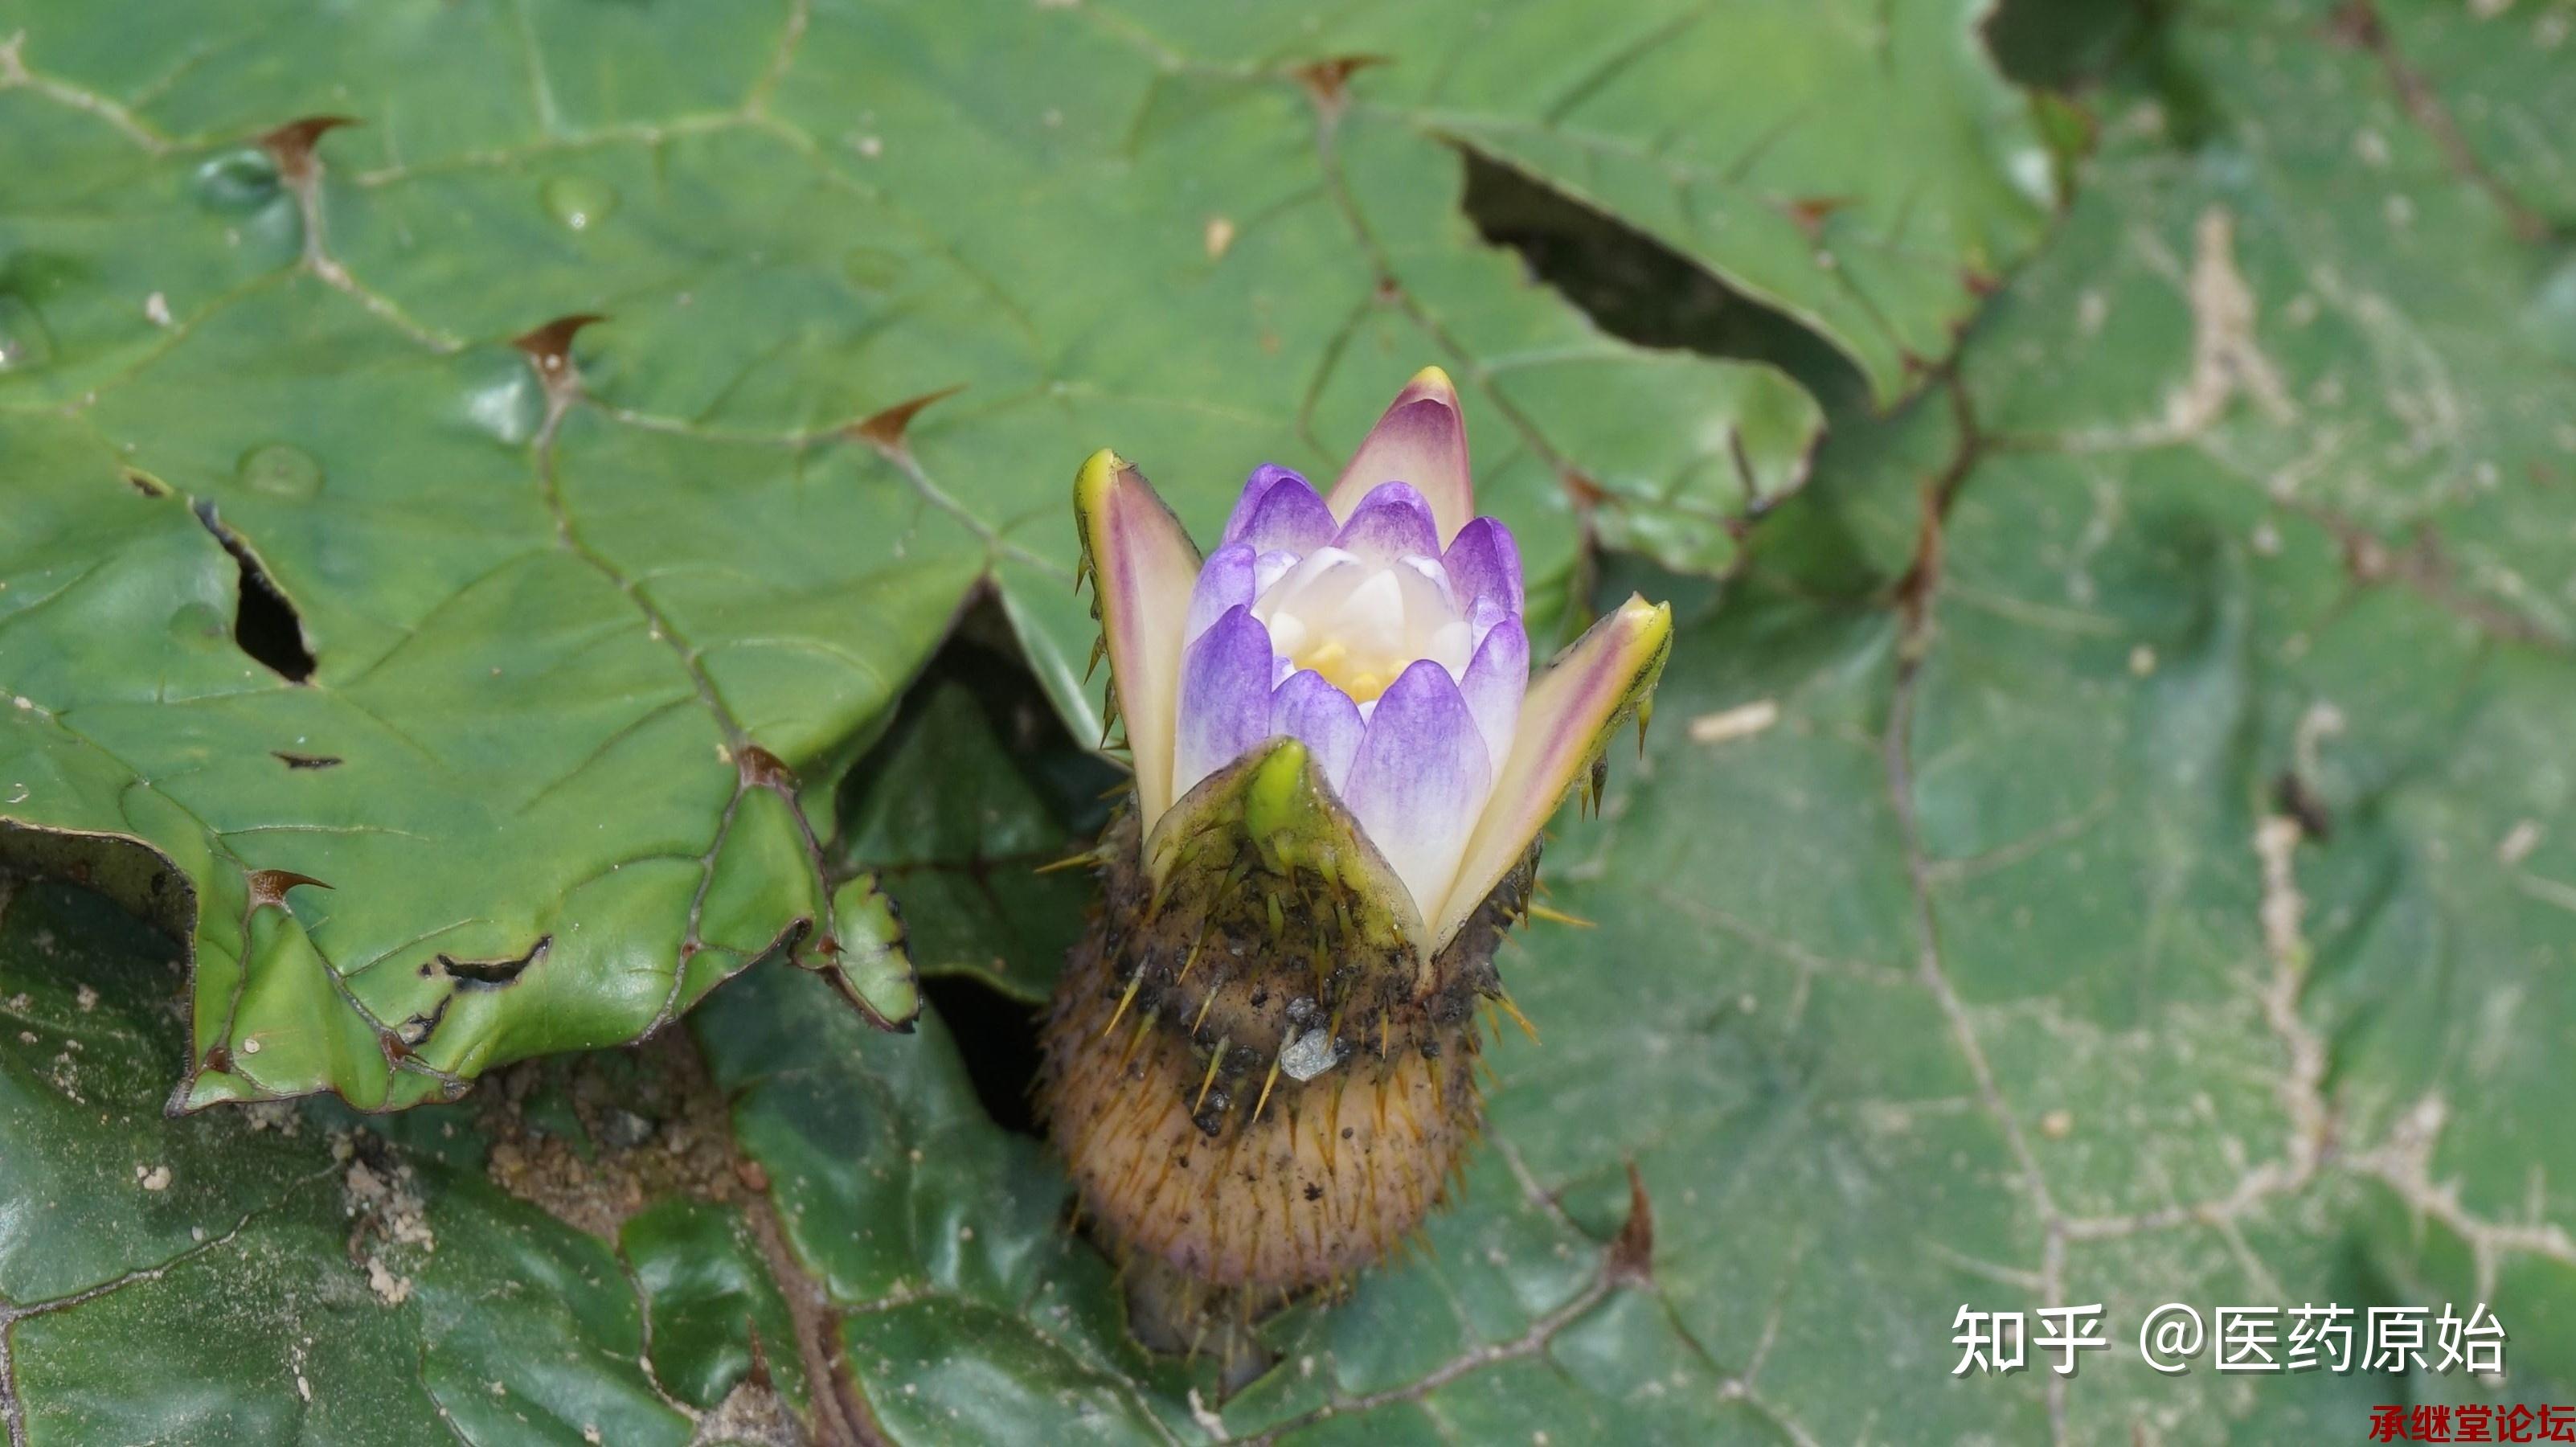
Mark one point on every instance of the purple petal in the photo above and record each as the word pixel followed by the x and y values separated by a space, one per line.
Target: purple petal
pixel 1420 779
pixel 1421 440
pixel 1225 697
pixel 1391 522
pixel 1225 581
pixel 1494 683
pixel 1484 562
pixel 1309 708
pixel 1279 511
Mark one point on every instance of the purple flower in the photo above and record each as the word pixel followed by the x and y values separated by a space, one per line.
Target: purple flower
pixel 1380 625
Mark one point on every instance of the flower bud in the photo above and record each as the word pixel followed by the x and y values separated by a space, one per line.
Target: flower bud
pixel 1259 1063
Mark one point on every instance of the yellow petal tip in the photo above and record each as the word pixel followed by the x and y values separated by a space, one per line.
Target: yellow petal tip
pixel 1098 471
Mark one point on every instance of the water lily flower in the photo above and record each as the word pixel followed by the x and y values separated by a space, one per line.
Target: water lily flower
pixel 1380 623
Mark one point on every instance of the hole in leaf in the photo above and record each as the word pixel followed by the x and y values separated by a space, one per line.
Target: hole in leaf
pixel 305 761
pixel 491 974
pixel 264 624
pixel 1640 290
pixel 997 1036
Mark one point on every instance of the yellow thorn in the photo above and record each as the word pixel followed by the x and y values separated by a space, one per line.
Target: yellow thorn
pixel 1267 1082
pixel 1135 1040
pixel 1124 1001
pixel 1331 1134
pixel 1208 1081
pixel 1558 916
pixel 1204 1006
pixel 1381 1036
pixel 1505 1000
pixel 1195 946
pixel 1070 861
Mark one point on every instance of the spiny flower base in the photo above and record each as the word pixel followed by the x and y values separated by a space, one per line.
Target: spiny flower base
pixel 1257 1089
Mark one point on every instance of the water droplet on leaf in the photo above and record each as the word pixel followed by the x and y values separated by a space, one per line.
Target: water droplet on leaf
pixel 201 626
pixel 25 344
pixel 579 202
pixel 502 396
pixel 280 469
pixel 238 180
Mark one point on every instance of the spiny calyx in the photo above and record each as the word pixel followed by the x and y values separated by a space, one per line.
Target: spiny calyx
pixel 1257 1074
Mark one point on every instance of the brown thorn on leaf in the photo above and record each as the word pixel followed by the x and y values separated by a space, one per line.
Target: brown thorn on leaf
pixel 1504 999
pixel 1810 213
pixel 1328 82
pixel 548 348
pixel 269 886
pixel 292 144
pixel 1631 1257
pixel 884 429
pixel 758 768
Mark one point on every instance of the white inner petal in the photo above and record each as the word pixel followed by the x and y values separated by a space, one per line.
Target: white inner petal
pixel 1361 624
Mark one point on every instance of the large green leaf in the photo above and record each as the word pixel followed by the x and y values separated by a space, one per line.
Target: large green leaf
pixel 281 1276
pixel 2140 879
pixel 527 626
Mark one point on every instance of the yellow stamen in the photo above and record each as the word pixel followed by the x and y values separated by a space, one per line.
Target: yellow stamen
pixel 1332 658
